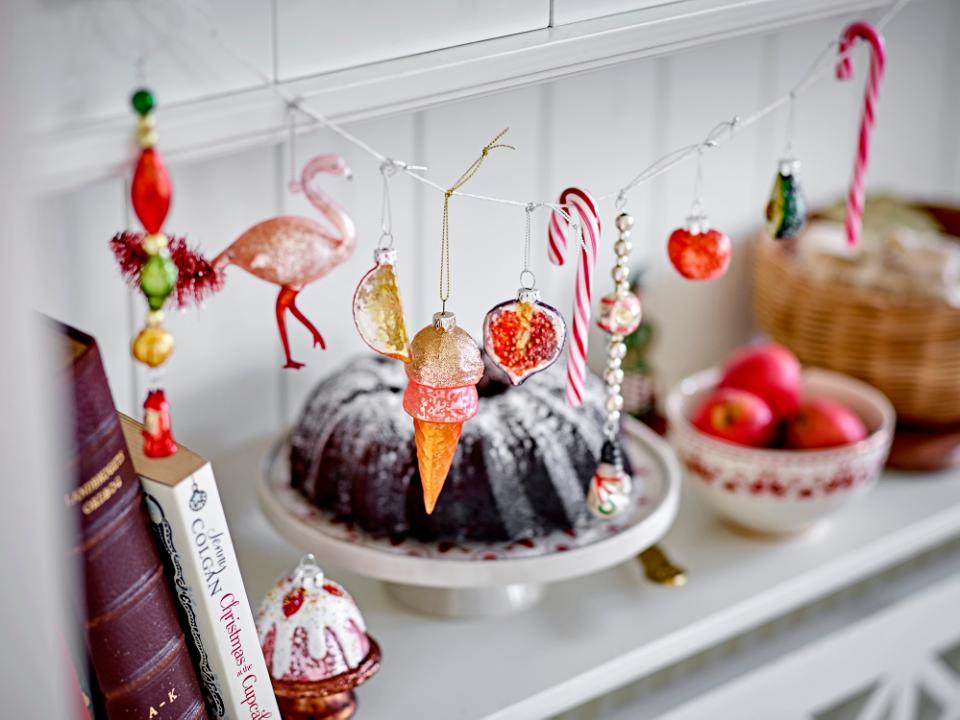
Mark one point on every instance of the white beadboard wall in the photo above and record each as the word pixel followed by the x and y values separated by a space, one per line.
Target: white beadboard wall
pixel 225 379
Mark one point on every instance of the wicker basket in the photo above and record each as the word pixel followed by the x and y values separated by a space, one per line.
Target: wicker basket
pixel 908 348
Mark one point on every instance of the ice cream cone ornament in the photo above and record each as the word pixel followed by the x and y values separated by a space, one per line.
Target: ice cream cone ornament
pixel 377 308
pixel 444 369
pixel 524 336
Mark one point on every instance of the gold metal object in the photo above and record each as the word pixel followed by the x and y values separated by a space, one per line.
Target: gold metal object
pixel 659 569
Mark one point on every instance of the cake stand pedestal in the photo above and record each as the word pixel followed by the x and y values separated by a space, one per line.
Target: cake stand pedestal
pixel 475 602
pixel 482 579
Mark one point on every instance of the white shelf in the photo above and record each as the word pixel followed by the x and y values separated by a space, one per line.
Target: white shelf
pixel 223 124
pixel 592 635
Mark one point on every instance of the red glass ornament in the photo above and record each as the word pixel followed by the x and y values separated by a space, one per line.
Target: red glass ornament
pixel 699 253
pixel 523 336
pixel 158 439
pixel 151 190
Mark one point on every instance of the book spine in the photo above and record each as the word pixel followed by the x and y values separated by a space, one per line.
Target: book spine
pixel 137 649
pixel 189 520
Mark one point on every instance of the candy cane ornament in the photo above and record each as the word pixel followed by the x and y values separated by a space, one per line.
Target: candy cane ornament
pixel 854 217
pixel 581 209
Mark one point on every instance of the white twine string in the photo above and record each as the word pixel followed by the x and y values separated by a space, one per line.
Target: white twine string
pixel 721 132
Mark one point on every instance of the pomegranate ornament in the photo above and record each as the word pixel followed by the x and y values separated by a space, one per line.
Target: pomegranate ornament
pixel 524 336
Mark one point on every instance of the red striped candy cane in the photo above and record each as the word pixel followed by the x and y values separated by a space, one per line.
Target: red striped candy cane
pixel 582 209
pixel 854 217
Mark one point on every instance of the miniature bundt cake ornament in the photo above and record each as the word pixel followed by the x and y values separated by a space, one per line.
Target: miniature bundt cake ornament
pixel 315 644
pixel 444 370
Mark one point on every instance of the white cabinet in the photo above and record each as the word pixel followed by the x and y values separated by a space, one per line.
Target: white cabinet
pixel 315 36
pixel 96 52
pixel 570 11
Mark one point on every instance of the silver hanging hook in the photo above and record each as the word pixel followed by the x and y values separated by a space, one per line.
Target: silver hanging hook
pixel 528 281
pixel 293 184
pixel 791 112
pixel 388 168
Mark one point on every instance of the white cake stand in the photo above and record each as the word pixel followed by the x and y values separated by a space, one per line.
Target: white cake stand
pixel 482 579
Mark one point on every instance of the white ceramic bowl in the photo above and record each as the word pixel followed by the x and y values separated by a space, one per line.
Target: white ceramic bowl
pixel 782 491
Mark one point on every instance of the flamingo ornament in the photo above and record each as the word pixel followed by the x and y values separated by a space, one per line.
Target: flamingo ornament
pixel 293 251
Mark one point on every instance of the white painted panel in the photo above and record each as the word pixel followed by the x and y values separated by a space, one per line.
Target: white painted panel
pixel 328 302
pixel 221 380
pixel 570 11
pixel 701 321
pixel 92 48
pixel 486 240
pixel 83 287
pixel 601 132
pixel 315 36
pixel 905 153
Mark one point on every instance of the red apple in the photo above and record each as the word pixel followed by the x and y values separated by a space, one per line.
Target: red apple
pixel 823 423
pixel 736 416
pixel 770 371
pixel 699 255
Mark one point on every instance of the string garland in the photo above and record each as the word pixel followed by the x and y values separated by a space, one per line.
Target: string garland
pixel 719 134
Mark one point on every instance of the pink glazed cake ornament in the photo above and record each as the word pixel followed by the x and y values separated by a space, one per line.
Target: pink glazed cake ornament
pixel 315 644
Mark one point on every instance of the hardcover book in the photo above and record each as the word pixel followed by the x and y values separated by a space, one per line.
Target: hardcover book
pixel 188 519
pixel 137 649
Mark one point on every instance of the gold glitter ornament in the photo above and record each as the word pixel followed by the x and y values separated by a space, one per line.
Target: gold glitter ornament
pixel 378 310
pixel 153 345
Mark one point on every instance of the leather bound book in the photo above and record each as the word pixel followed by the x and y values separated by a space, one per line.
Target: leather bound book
pixel 134 638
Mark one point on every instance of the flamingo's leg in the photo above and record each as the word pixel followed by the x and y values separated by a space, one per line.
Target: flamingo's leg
pixel 317 337
pixel 285 302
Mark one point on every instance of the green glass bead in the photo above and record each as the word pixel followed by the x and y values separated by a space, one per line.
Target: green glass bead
pixel 157 278
pixel 142 101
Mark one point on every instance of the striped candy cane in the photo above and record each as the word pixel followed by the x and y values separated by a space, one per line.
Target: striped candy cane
pixel 854 217
pixel 581 209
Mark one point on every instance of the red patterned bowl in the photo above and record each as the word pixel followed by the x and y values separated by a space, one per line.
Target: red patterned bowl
pixel 782 491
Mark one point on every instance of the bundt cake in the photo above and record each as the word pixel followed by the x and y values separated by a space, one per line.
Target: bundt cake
pixel 521 468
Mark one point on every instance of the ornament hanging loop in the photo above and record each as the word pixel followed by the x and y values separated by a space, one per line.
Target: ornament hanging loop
pixel 447 194
pixel 528 281
pixel 620 203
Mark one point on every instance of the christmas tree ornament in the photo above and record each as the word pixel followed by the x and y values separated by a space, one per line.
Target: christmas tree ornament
pixel 524 336
pixel 787 209
pixel 315 644
pixel 293 251
pixel 854 218
pixel 444 369
pixel 697 251
pixel 609 491
pixel 377 308
pixel 580 211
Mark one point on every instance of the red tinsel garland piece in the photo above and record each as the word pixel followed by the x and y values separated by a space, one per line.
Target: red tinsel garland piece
pixel 196 278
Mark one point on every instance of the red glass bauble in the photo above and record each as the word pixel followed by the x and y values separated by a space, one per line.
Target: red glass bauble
pixel 151 190
pixel 699 255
